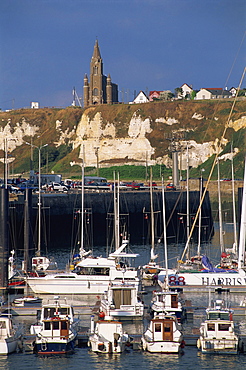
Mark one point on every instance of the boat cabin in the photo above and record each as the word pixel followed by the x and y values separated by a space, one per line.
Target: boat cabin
pixel 162 329
pixel 56 327
pixel 102 329
pixel 6 329
pixel 171 299
pixel 218 330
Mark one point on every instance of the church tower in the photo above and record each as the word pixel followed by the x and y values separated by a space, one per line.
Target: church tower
pixel 100 89
pixel 96 77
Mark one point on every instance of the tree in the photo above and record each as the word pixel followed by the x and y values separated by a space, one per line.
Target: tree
pixel 179 92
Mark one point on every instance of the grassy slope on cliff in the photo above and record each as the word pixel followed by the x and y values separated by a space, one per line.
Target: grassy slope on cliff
pixel 213 116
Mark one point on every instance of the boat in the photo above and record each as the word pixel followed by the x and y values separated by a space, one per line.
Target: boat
pixel 56 331
pixel 163 335
pixel 10 337
pixel 27 301
pixel 107 336
pixel 210 276
pixel 91 275
pixel 167 301
pixel 121 300
pixel 217 333
pixel 152 268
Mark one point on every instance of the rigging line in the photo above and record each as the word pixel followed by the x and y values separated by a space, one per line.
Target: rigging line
pixel 235 58
pixel 213 165
pixel 229 74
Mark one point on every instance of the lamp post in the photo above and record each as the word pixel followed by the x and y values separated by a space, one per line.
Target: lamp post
pixel 39 193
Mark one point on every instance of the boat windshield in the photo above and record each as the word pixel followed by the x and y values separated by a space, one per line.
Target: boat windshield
pixel 218 315
pixel 92 270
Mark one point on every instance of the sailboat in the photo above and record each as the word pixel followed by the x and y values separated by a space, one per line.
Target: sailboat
pixel 192 263
pixel 228 258
pixel 166 301
pixel 216 277
pixel 152 268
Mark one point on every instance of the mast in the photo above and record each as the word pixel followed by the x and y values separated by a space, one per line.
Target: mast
pixel 241 249
pixel 152 218
pixel 116 213
pixel 220 211
pixel 235 246
pixel 200 220
pixel 187 201
pixel 164 231
pixel 82 205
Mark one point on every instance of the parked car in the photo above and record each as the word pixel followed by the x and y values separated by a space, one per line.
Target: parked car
pixel 170 186
pixel 12 189
pixel 58 187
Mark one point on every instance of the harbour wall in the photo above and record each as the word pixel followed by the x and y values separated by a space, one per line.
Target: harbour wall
pixel 61 215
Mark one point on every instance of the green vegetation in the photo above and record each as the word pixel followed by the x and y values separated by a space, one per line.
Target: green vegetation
pixel 59 127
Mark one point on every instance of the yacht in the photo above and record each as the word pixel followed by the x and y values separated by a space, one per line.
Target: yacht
pixel 217 333
pixel 56 330
pixel 107 336
pixel 10 337
pixel 163 335
pixel 92 275
pixel 122 300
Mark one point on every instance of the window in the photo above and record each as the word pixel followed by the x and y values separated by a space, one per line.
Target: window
pixel 95 92
pixel 47 325
pixel 224 327
pixel 55 325
pixel 158 327
pixel 211 327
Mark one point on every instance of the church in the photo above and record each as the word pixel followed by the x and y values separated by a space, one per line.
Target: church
pixel 100 89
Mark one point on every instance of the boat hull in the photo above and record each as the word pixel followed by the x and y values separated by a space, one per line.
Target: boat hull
pixel 8 345
pixel 206 279
pixel 217 346
pixel 72 284
pixel 161 346
pixel 54 347
pixel 105 347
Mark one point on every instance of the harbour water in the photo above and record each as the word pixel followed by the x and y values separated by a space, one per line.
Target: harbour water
pixel 191 359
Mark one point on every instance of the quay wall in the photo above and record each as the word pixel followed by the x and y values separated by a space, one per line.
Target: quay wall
pixel 61 213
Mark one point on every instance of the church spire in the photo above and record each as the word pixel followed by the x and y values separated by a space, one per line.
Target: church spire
pixel 96 53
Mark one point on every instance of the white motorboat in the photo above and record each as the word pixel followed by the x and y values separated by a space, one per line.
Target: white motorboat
pixel 27 301
pixel 167 301
pixel 10 338
pixel 163 335
pixel 91 276
pixel 56 331
pixel 217 334
pixel 121 300
pixel 107 336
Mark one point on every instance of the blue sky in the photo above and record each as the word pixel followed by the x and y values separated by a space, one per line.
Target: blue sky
pixel 46 46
